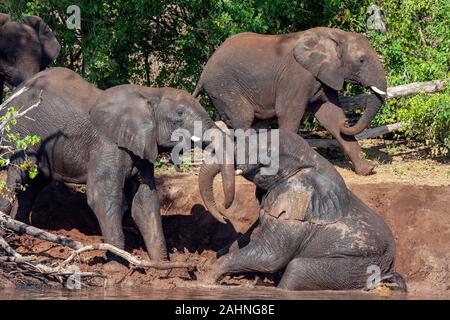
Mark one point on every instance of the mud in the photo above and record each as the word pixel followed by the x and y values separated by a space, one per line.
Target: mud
pixel 418 215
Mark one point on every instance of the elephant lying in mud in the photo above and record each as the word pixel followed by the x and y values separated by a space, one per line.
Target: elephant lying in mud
pixel 252 78
pixel 310 225
pixel 106 139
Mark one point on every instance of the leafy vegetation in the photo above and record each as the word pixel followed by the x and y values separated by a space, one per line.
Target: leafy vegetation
pixel 10 143
pixel 167 42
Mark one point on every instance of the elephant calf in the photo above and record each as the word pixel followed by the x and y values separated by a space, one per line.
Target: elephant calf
pixel 106 139
pixel 310 225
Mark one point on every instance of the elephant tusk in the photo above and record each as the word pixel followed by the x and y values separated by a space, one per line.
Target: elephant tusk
pixel 375 89
pixel 238 172
pixel 195 139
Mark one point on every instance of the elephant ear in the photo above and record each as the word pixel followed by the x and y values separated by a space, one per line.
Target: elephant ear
pixel 313 197
pixel 320 54
pixel 50 44
pixel 4 18
pixel 126 117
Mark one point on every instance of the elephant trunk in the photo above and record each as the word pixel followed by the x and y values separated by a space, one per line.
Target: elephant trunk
pixel 373 103
pixel 206 179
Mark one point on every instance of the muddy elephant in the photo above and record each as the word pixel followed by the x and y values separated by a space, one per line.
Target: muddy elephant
pixel 108 140
pixel 252 78
pixel 26 47
pixel 310 227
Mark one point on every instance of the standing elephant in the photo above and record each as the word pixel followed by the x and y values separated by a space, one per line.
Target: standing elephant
pixel 255 77
pixel 310 225
pixel 108 140
pixel 26 48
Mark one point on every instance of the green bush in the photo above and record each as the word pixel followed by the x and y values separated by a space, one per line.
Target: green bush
pixel 167 42
pixel 426 118
pixel 10 143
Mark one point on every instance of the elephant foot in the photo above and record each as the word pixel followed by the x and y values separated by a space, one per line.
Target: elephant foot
pixel 158 254
pixel 364 167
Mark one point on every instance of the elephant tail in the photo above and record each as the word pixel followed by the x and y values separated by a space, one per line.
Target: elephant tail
pixel 198 89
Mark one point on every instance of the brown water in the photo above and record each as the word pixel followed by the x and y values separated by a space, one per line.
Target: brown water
pixel 190 293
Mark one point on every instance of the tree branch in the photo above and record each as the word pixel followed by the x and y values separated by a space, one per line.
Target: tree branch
pixel 350 103
pixel 23 228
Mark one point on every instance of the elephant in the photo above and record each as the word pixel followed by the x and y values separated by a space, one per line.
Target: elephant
pixel 26 48
pixel 253 78
pixel 310 225
pixel 108 140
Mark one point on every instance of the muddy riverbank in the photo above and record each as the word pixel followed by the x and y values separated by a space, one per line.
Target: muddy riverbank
pixel 419 216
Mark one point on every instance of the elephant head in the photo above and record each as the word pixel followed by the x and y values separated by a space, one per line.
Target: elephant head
pixel 26 48
pixel 323 187
pixel 141 120
pixel 334 56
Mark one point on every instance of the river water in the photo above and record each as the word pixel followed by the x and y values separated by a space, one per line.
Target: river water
pixel 188 293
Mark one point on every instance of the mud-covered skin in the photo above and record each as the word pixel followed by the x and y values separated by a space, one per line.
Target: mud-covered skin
pixel 253 78
pixel 310 225
pixel 106 139
pixel 26 47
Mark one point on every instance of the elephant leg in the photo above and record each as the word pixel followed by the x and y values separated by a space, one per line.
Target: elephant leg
pixel 269 251
pixel 242 241
pixel 105 184
pixel 24 189
pixel 235 110
pixel 146 214
pixel 332 117
pixel 25 199
pixel 325 273
pixel 290 116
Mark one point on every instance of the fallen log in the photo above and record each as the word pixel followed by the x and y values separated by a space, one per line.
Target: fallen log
pixel 367 134
pixel 22 228
pixel 78 247
pixel 350 103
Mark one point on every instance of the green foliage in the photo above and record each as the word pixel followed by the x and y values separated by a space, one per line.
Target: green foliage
pixel 11 142
pixel 427 119
pixel 167 42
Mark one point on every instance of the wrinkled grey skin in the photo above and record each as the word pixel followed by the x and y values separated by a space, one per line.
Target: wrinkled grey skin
pixel 254 78
pixel 106 139
pixel 26 47
pixel 310 226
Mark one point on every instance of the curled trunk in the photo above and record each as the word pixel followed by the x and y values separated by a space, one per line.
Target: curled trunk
pixel 206 179
pixel 372 108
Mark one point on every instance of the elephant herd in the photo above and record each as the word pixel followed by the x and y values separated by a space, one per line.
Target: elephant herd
pixel 311 228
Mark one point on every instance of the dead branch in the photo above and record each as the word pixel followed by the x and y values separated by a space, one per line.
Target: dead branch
pixel 367 134
pixel 350 103
pixel 23 228
pixel 8 249
pixel 21 113
pixel 32 265
pixel 128 257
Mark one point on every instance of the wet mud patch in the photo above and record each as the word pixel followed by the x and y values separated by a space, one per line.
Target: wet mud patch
pixel 419 217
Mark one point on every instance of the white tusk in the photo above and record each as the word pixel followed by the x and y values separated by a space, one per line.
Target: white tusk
pixel 375 89
pixel 238 172
pixel 195 139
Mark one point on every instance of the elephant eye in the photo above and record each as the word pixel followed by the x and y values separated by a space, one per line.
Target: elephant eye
pixel 362 59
